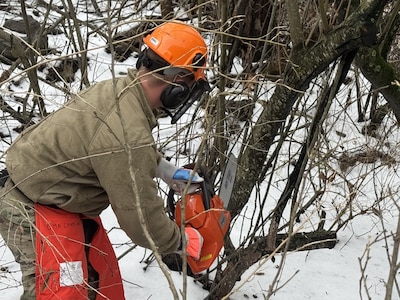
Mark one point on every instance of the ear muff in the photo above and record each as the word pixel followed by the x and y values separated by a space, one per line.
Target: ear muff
pixel 199 60
pixel 143 60
pixel 174 94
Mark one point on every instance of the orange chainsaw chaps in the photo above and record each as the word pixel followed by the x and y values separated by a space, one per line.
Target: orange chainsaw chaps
pixel 62 262
pixel 212 225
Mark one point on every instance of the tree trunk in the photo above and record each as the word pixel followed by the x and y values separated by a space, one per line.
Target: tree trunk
pixel 306 64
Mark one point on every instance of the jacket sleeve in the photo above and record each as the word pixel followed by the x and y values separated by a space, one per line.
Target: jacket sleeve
pixel 131 194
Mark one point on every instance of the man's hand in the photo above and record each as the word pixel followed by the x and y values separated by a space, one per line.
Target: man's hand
pixel 177 178
pixel 181 178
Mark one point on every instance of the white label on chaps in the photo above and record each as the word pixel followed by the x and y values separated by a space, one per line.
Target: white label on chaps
pixel 71 273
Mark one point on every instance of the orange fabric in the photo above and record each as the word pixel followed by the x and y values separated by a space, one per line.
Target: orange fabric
pixel 103 260
pixel 61 263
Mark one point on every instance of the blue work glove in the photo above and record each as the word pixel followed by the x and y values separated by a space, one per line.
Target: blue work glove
pixel 178 178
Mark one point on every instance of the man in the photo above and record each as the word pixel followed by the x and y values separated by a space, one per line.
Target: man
pixel 98 151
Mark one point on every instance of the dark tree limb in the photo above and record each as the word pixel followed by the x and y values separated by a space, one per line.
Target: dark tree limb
pixel 298 241
pixel 306 64
pixel 22 118
pixel 382 76
pixel 296 175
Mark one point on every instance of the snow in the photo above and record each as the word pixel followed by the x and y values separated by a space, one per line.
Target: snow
pixel 324 274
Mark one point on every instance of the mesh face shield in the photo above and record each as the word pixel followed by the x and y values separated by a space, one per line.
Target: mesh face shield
pixel 195 93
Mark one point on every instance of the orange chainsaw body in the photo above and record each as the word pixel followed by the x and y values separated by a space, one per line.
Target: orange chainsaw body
pixel 212 223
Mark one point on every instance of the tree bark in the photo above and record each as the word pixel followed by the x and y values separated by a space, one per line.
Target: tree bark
pixel 304 66
pixel 382 76
pixel 167 9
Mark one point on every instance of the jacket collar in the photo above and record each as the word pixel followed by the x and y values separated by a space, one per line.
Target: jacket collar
pixel 134 81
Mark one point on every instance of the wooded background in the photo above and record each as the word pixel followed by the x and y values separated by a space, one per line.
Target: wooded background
pixel 286 76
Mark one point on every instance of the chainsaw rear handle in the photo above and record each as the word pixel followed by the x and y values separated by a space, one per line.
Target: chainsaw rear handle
pixel 206 187
pixel 206 196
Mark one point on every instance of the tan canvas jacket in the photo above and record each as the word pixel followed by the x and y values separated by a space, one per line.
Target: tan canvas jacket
pixel 78 159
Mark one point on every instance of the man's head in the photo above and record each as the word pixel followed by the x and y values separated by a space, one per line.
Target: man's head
pixel 177 53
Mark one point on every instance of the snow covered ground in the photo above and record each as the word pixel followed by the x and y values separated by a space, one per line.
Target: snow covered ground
pixel 324 274
pixel 358 263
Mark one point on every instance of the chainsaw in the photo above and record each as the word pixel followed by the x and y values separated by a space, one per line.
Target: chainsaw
pixel 204 211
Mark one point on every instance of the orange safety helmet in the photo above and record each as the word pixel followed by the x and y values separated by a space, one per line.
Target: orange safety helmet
pixel 180 45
